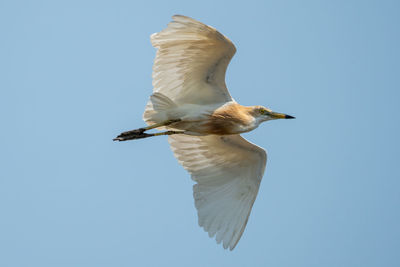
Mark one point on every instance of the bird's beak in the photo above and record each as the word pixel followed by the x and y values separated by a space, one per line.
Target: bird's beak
pixel 276 115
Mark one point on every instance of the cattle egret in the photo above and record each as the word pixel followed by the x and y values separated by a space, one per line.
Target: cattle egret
pixel 191 103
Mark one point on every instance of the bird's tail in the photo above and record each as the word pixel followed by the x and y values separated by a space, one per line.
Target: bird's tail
pixel 157 108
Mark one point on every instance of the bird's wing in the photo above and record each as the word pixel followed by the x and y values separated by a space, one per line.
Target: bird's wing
pixel 191 62
pixel 228 172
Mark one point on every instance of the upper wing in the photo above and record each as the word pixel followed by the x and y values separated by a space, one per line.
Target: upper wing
pixel 191 62
pixel 228 172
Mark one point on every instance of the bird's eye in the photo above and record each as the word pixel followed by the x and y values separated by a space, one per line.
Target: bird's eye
pixel 262 111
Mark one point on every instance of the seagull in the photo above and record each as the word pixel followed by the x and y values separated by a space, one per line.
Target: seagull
pixel 192 106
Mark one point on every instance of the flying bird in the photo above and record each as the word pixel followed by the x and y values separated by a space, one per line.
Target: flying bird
pixel 192 105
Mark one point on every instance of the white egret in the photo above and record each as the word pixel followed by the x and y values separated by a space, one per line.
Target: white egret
pixel 191 103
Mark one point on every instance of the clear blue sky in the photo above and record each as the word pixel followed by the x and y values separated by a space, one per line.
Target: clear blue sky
pixel 74 74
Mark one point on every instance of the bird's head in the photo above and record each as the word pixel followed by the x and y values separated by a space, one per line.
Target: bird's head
pixel 261 114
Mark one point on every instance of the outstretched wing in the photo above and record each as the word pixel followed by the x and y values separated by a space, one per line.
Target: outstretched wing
pixel 191 62
pixel 228 172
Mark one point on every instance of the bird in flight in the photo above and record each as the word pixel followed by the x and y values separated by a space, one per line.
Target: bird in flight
pixel 191 104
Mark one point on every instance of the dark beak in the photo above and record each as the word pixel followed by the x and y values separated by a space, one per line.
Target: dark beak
pixel 277 115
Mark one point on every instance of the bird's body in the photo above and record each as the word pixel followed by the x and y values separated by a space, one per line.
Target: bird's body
pixel 226 119
pixel 191 102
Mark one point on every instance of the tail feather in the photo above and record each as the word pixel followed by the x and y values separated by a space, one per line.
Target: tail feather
pixel 156 106
pixel 161 102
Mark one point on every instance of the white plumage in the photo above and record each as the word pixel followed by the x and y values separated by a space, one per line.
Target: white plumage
pixel 228 172
pixel 189 69
pixel 190 100
pixel 190 63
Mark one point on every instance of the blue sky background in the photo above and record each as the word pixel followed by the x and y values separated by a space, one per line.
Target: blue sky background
pixel 74 74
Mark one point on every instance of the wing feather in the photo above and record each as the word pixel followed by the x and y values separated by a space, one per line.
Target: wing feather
pixel 227 171
pixel 191 62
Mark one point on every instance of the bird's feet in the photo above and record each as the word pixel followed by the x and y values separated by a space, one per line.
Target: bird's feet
pixel 140 133
pixel 133 134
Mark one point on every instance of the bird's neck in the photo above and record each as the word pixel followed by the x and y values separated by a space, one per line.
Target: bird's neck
pixel 234 118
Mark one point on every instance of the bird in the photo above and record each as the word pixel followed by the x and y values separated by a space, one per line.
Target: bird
pixel 191 104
